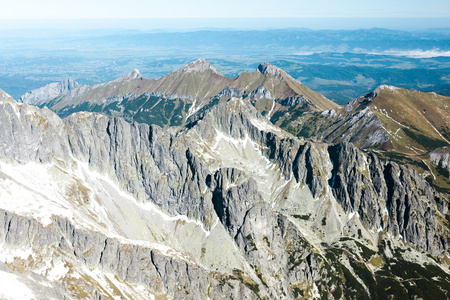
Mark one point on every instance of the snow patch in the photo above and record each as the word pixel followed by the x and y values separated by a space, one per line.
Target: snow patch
pixel 265 126
pixel 152 208
pixel 13 288
pixel 351 215
pixel 315 292
pixel 58 271
pixel 271 110
pixel 9 254
pixel 193 109
pixel 388 87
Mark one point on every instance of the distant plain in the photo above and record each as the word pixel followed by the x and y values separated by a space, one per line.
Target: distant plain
pixel 340 64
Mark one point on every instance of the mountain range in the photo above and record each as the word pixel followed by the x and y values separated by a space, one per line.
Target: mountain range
pixel 406 125
pixel 215 200
pixel 192 87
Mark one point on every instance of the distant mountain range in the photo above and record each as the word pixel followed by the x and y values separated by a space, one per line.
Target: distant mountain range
pixel 176 96
pixel 405 124
pixel 340 64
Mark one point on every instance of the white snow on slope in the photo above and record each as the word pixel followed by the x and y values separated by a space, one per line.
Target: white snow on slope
pixel 12 288
pixel 246 155
pixel 93 201
pixel 89 200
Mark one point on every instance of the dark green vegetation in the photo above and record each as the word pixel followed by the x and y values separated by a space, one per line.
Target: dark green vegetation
pixel 144 109
pixel 373 275
pixel 429 143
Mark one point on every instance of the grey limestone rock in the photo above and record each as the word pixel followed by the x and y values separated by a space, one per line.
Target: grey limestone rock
pixel 363 184
pixel 152 163
pixel 49 91
pixel 269 69
pixel 292 101
pixel 352 186
pixel 165 275
pixel 440 157
pixel 278 253
pixel 309 168
pixel 200 65
pixel 261 93
pixel 162 166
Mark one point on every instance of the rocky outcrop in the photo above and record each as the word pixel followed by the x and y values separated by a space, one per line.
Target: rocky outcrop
pixel 231 92
pixel 309 169
pixel 292 101
pixel 373 189
pixel 153 164
pixel 49 91
pixel 360 182
pixel 269 69
pixel 359 126
pixel 136 264
pixel 441 158
pixel 261 93
pixel 412 211
pixel 5 97
pixel 352 183
pixel 273 246
pixel 135 74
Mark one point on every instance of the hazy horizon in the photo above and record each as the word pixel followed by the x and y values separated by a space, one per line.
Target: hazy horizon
pixel 193 24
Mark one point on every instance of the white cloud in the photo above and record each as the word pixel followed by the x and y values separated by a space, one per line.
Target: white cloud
pixel 417 53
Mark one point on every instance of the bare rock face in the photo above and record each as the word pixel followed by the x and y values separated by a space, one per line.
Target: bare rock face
pixel 229 206
pixel 441 158
pixel 269 69
pixel 135 264
pixel 49 91
pixel 261 93
pixel 375 190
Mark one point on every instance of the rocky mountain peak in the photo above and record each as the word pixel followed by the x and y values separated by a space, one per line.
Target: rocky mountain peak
pixel 386 87
pixel 200 65
pixel 4 96
pixel 69 84
pixel 135 74
pixel 269 69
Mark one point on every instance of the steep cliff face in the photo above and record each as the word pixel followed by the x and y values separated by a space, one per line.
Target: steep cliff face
pixel 49 91
pixel 378 190
pixel 440 157
pixel 229 206
pixel 405 125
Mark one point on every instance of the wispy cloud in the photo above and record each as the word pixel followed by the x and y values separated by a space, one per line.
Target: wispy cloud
pixel 417 53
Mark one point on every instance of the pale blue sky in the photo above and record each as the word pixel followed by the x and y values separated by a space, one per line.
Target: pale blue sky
pixel 99 9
